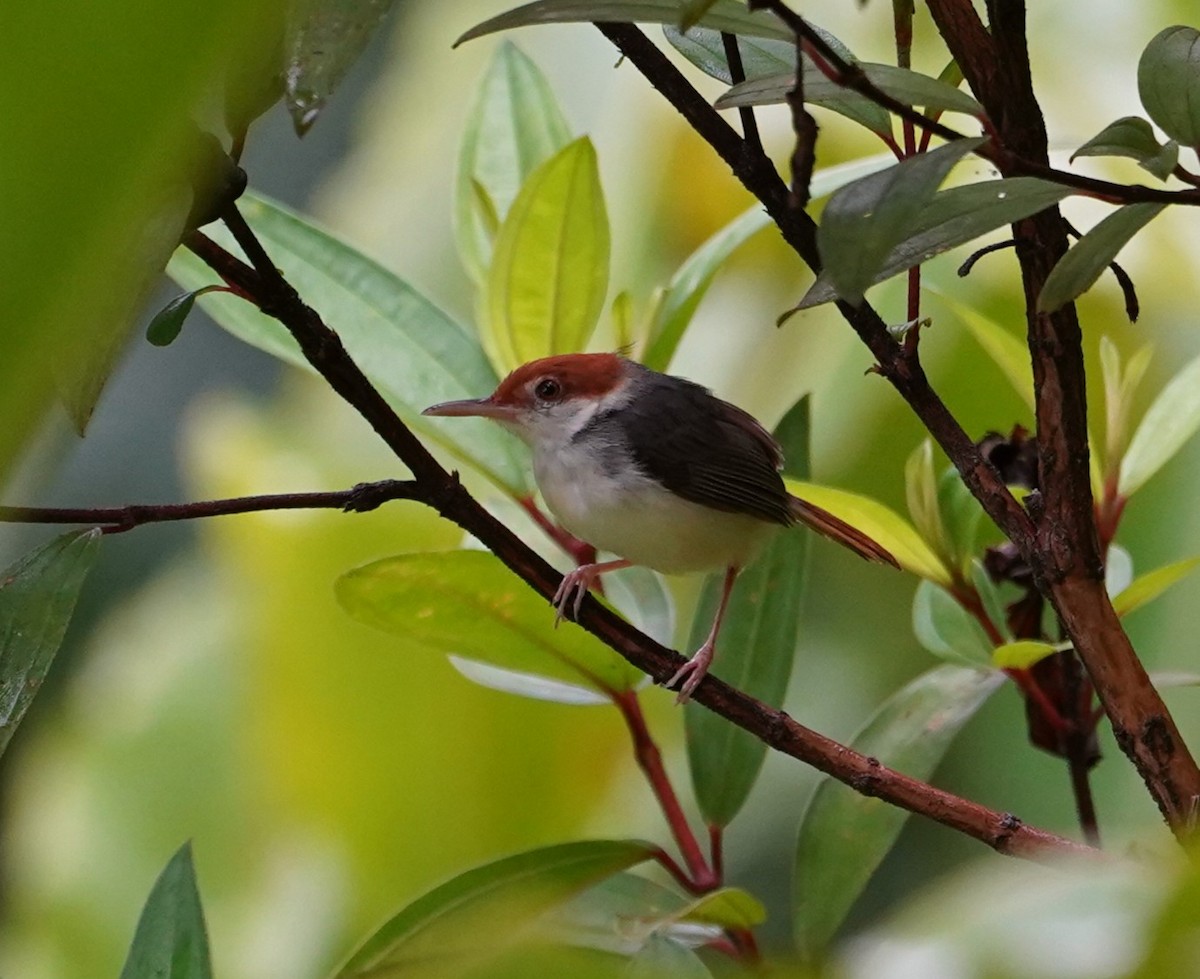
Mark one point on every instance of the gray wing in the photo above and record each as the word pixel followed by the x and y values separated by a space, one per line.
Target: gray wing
pixel 702 448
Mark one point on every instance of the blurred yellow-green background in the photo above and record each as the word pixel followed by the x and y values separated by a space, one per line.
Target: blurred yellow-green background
pixel 212 689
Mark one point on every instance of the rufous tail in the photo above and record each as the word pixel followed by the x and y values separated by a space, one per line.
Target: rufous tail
pixel 837 530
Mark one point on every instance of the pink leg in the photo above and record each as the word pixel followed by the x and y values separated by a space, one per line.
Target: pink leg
pixel 694 670
pixel 575 585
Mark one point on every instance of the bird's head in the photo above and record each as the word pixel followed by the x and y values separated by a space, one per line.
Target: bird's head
pixel 548 400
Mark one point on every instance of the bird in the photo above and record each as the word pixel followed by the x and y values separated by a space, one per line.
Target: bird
pixel 653 469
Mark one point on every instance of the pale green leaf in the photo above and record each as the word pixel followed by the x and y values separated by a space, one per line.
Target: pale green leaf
pixel 961 517
pixel 723 15
pixel 171 941
pixel 689 284
pixel 1007 350
pixel 1145 588
pixel 1172 419
pixel 37 598
pixel 1118 570
pixel 488 909
pixel 662 957
pixel 1132 136
pixel 952 218
pixel 549 273
pixel 947 629
pixel 414 353
pixel 1022 654
pixel 691 12
pixel 729 907
pixel 882 524
pixel 514 126
pixel 921 495
pixel 864 221
pixel 845 835
pixel 469 604
pixel 1169 82
pixel 1080 267
pixel 990 597
pixel 757 647
pixel 529 685
pixel 641 597
pixel 1165 679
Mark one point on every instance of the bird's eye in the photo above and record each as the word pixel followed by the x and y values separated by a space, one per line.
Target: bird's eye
pixel 547 389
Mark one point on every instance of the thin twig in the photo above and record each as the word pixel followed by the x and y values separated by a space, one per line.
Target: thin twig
pixel 737 75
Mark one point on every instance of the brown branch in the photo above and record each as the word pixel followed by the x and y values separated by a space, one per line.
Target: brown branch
pixel 1067 561
pixel 443 492
pixel 116 520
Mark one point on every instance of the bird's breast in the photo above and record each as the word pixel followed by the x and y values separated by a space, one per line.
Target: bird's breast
pixel 601 497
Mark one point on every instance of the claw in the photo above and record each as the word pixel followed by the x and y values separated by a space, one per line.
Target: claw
pixel 692 672
pixel 575 585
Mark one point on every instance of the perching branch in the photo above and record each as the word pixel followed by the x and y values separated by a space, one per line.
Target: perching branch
pixel 442 491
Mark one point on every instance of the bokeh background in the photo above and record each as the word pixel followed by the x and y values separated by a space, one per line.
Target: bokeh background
pixel 211 688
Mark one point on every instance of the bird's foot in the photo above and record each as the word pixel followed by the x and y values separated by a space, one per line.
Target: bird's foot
pixel 692 672
pixel 572 588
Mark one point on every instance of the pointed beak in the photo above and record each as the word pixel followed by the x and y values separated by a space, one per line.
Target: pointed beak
pixel 474 408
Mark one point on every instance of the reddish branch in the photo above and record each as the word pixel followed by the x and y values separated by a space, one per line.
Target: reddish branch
pixel 443 492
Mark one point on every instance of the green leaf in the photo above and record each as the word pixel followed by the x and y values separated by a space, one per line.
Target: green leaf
pixel 961 516
pixel 164 327
pixel 724 15
pixel 171 941
pixel 990 597
pixel 1133 137
pixel 1118 570
pixel 692 11
pixel 1172 419
pixel 1169 82
pixel 1007 350
pixel 952 218
pixel 880 523
pixel 488 909
pixel 865 220
pixel 414 353
pixel 1021 655
pixel 617 915
pixel 515 125
pixel 729 907
pixel 921 494
pixel 664 958
pixel 757 647
pixel 1145 588
pixel 689 284
pixel 469 604
pixel 549 271
pixel 37 597
pixel 845 835
pixel 324 38
pixel 776 59
pixel 529 685
pixel 1080 267
pixel 641 597
pixel 910 87
pixel 947 629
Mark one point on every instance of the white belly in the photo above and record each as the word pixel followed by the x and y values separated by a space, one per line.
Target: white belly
pixel 641 521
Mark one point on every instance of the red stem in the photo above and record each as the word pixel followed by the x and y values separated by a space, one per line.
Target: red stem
pixel 649 760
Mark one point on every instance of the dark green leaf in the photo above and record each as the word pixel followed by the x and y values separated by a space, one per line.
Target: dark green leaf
pixel 946 629
pixel 1132 136
pixel 756 650
pixel 952 218
pixel 845 835
pixel 689 284
pixel 910 87
pixel 1169 82
pixel 488 909
pixel 37 597
pixel 324 38
pixel 1079 268
pixel 991 598
pixel 768 56
pixel 864 221
pixel 469 604
pixel 515 125
pixel 961 515
pixel 171 941
pixel 724 15
pixel 549 272
pixel 414 353
pixel 165 325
